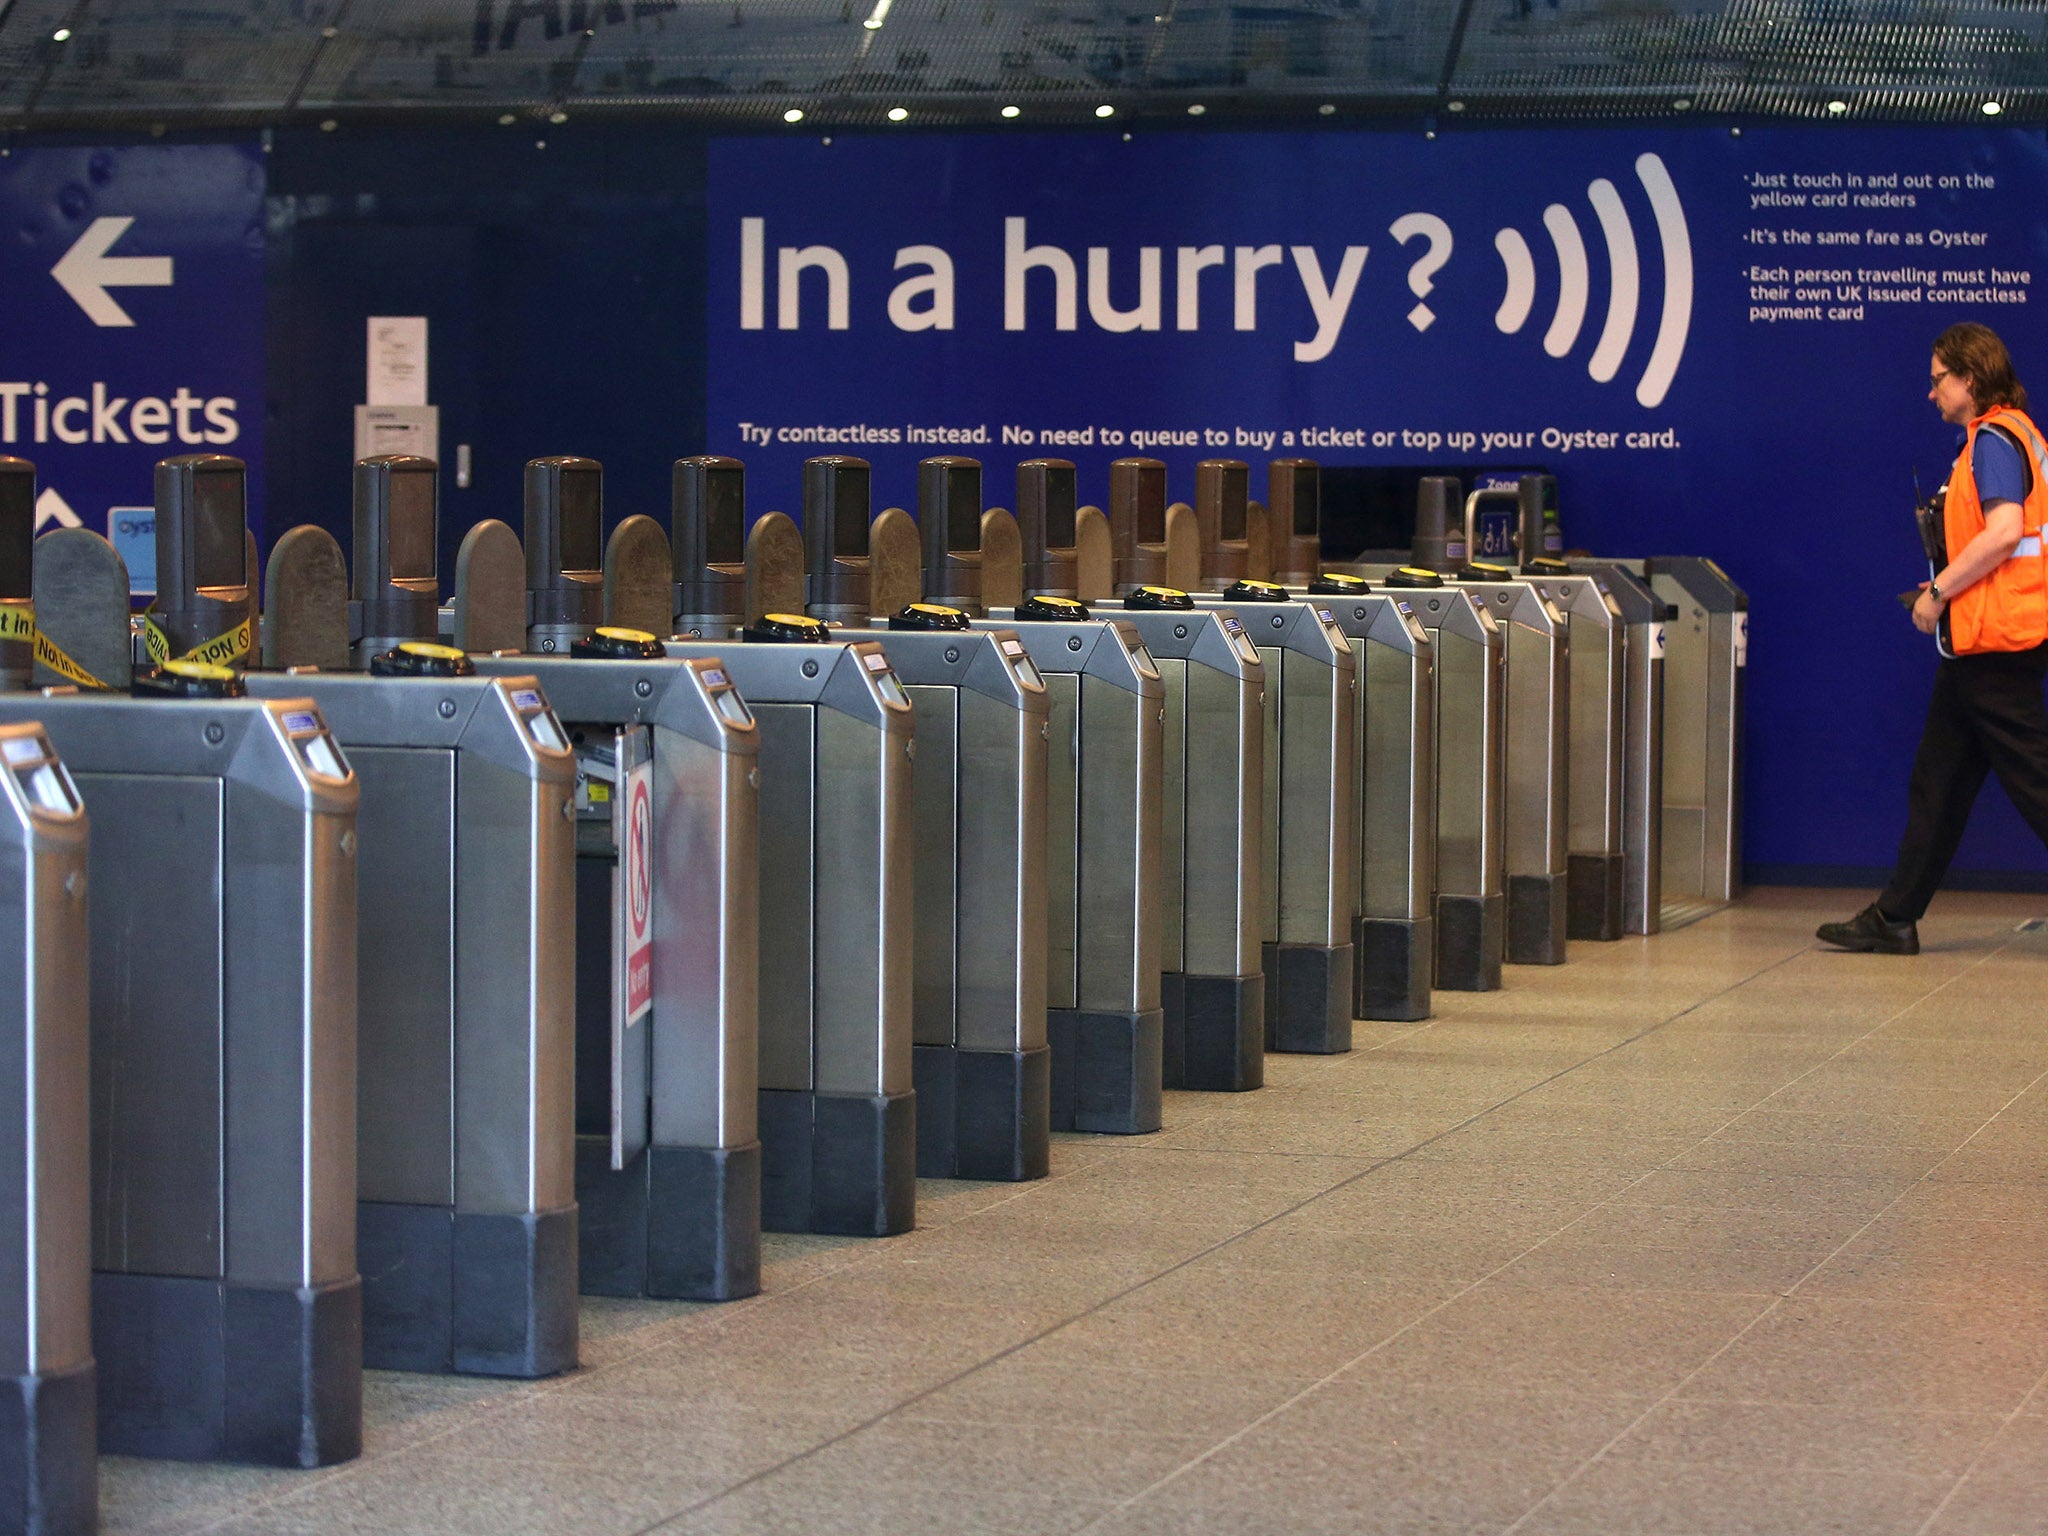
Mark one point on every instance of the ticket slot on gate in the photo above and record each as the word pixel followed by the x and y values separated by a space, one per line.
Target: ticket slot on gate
pixel 564 543
pixel 708 541
pixel 205 606
pixel 836 1103
pixel 1394 797
pixel 48 1455
pixel 980 1060
pixel 17 562
pixel 1469 728
pixel 226 1305
pixel 1307 884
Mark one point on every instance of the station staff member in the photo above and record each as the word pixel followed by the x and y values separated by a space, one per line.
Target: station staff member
pixel 1987 714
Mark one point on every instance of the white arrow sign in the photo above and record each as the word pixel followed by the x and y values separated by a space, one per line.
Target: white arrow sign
pixel 52 508
pixel 86 271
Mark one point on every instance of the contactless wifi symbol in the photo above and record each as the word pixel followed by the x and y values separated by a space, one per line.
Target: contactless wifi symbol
pixel 1624 286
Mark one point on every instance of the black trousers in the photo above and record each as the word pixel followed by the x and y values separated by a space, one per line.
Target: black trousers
pixel 1986 716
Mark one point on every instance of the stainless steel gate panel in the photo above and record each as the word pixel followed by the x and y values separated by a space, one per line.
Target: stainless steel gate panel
pixel 836 1101
pixel 1598 749
pixel 1644 619
pixel 1308 883
pixel 254 1356
pixel 48 1458
pixel 465 1098
pixel 981 1063
pixel 682 1218
pixel 1706 670
pixel 1105 787
pixel 1394 798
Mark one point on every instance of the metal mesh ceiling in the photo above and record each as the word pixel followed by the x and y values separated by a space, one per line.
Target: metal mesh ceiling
pixel 70 63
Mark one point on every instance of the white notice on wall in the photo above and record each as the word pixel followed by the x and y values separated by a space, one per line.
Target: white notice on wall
pixel 397 360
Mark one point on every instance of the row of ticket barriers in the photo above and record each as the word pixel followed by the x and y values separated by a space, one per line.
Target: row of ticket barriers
pixel 428 964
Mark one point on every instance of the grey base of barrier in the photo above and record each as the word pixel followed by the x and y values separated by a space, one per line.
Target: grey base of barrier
pixel 49 1465
pixel 1595 900
pixel 1471 936
pixel 678 1223
pixel 1537 910
pixel 844 1164
pixel 1394 958
pixel 467 1292
pixel 1212 1033
pixel 1106 1070
pixel 983 1114
pixel 1308 998
pixel 204 1370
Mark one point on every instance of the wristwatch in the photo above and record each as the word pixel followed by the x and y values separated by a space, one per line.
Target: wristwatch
pixel 1934 591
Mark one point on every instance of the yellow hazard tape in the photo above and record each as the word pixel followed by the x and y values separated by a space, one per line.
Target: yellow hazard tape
pixel 17 621
pixel 49 654
pixel 221 651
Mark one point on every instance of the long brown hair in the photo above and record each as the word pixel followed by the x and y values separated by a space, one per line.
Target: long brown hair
pixel 1974 352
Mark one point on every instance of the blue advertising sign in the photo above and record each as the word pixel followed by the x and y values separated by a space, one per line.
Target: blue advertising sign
pixel 135 322
pixel 1716 339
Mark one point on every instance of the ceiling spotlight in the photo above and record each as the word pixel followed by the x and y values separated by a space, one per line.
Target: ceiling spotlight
pixel 878 15
pixel 1455 106
pixel 1328 109
pixel 1837 108
pixel 1197 110
pixel 328 125
pixel 1992 109
pixel 506 119
pixel 1105 110
pixel 61 35
pixel 558 116
pixel 897 114
pixel 1012 111
pixel 1683 104
pixel 793 115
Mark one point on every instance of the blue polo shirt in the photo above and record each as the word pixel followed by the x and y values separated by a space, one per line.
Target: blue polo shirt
pixel 1998 468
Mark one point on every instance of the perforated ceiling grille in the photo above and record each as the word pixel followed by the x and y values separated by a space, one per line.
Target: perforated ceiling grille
pixel 184 62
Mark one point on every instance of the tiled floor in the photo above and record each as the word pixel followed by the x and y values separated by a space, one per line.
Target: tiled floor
pixel 1709 1233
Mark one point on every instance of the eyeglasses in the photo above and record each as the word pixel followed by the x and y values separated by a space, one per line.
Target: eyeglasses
pixel 1935 381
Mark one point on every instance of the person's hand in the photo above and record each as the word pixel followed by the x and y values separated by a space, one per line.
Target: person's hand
pixel 1927 611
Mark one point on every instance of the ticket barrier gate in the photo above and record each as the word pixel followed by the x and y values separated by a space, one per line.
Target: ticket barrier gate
pixel 668 1157
pixel 48 1485
pixel 981 1062
pixel 1706 669
pixel 1212 991
pixel 1644 616
pixel 1469 729
pixel 1597 882
pixel 1536 647
pixel 1307 884
pixel 1393 754
pixel 1393 771
pixel 836 1104
pixel 227 1319
pixel 465 1216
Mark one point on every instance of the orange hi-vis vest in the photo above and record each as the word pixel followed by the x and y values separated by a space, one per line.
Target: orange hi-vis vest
pixel 2008 609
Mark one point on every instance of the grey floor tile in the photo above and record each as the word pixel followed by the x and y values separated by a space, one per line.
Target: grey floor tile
pixel 170 1498
pixel 1023 1389
pixel 805 1500
pixel 1768 1437
pixel 2006 1493
pixel 1914 1258
pixel 1662 1499
pixel 1518 1338
pixel 1873 1354
pixel 1567 1260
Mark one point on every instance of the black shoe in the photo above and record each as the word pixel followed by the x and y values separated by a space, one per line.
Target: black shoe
pixel 1871 932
